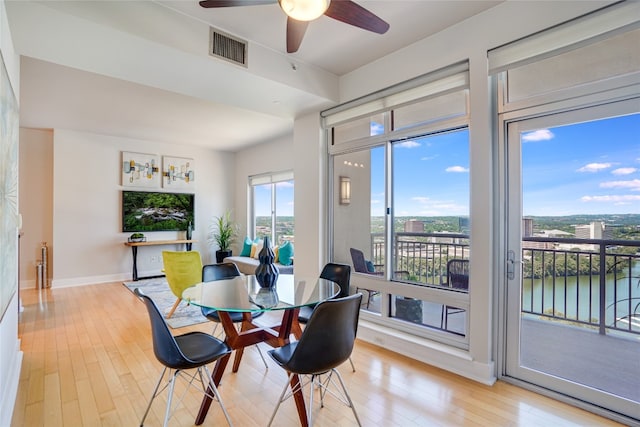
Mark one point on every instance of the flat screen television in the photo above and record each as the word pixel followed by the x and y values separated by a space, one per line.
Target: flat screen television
pixel 156 211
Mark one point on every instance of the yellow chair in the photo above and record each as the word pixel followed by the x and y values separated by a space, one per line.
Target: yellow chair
pixel 183 269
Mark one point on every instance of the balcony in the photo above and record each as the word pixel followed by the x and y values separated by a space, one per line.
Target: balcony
pixel 580 302
pixel 592 283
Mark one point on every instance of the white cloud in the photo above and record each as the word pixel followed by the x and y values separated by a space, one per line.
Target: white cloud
pixel 428 157
pixel 633 184
pixel 420 199
pixel 430 207
pixel 407 144
pixel 375 202
pixel 457 169
pixel 623 171
pixel 538 135
pixel 594 167
pixel 284 184
pixel 376 129
pixel 616 199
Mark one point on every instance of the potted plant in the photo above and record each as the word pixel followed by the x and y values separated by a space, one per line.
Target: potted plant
pixel 223 233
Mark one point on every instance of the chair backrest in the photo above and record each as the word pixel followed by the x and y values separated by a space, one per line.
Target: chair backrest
pixel 226 270
pixel 183 269
pixel 339 273
pixel 359 263
pixel 458 273
pixel 164 344
pixel 327 340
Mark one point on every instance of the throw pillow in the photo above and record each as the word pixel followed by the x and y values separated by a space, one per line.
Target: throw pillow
pixel 286 253
pixel 276 251
pixel 257 247
pixel 246 247
pixel 370 267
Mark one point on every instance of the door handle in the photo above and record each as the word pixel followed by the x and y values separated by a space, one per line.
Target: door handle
pixel 511 265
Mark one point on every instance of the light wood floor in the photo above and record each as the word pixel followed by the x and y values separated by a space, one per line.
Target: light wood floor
pixel 88 361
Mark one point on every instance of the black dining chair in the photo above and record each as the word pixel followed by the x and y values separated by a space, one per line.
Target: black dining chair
pixel 340 274
pixel 225 270
pixel 193 350
pixel 326 342
pixel 457 278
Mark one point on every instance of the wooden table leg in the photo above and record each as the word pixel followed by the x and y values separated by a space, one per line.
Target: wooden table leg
pixel 246 325
pixel 216 376
pixel 299 399
pixel 288 326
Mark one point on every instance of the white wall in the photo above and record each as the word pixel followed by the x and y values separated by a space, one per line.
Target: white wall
pixel 10 354
pixel 87 245
pixel 36 203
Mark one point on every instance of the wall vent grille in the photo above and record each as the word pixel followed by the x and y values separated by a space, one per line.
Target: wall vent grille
pixel 229 48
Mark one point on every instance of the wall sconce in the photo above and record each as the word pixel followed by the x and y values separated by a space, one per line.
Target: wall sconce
pixel 345 190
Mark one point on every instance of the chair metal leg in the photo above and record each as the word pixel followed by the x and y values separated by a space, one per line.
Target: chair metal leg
pixel 280 399
pixel 353 368
pixel 262 356
pixel 215 328
pixel 217 395
pixel 153 396
pixel 310 407
pixel 346 394
pixel 169 398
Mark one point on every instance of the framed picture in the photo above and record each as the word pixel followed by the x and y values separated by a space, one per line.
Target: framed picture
pixel 9 130
pixel 177 172
pixel 140 170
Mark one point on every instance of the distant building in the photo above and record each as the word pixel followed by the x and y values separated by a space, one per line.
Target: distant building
pixel 527 227
pixel 595 230
pixel 414 226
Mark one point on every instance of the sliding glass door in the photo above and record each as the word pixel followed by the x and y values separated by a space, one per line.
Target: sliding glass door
pixel 573 258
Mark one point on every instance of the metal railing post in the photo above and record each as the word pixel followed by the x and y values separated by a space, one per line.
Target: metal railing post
pixel 603 282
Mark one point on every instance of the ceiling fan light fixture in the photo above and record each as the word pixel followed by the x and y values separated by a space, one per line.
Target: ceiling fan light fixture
pixel 304 10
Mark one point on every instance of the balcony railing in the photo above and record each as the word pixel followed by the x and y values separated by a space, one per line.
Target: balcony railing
pixel 590 282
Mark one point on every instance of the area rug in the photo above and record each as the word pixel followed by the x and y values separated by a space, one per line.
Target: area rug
pixel 158 290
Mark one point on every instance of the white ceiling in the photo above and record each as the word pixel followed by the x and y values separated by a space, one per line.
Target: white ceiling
pixel 139 69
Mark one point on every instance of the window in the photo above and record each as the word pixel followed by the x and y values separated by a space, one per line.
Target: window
pixel 404 160
pixel 272 207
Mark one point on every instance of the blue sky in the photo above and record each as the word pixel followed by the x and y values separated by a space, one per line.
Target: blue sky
pixel 431 177
pixel 284 199
pixel 585 168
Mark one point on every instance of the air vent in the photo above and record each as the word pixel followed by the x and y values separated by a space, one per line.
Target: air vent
pixel 224 46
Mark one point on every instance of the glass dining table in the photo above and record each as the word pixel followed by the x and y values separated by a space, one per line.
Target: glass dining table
pixel 245 295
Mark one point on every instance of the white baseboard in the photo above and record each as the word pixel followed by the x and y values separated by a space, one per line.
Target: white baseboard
pixel 89 280
pixel 451 359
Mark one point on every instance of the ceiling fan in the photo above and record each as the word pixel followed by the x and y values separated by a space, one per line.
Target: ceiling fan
pixel 301 12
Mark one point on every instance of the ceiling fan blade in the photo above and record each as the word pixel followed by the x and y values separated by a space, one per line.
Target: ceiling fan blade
pixel 295 33
pixel 232 3
pixel 351 13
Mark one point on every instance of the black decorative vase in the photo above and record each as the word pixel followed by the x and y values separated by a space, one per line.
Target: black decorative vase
pixel 267 272
pixel 189 231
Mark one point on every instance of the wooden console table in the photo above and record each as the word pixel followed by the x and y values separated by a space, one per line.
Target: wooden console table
pixel 134 250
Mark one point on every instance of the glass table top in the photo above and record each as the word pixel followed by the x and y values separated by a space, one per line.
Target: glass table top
pixel 244 293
